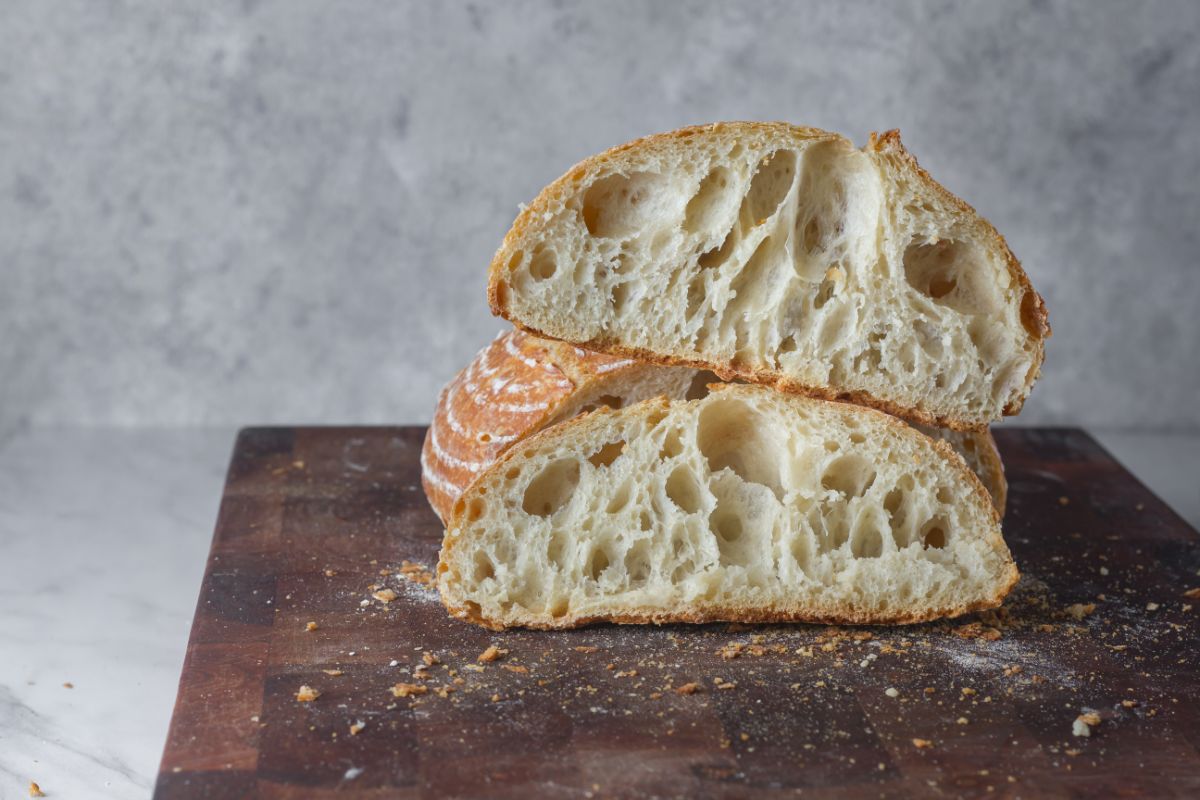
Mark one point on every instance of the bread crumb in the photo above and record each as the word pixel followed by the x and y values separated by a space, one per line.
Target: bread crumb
pixel 306 694
pixel 1014 669
pixel 1192 594
pixel 310 626
pixel 922 744
pixel 892 691
pixel 408 689
pixel 962 721
pixel 1104 570
pixel 1090 718
pixel 492 653
pixel 1080 610
pixel 443 691
pixel 630 673
pixel 745 737
pixel 515 668
pixel 357 727
pixel 1080 728
pixel 35 790
pixel 977 630
pixel 721 683
pixel 1129 703
pixel 68 685
pixel 586 648
pixel 429 658
pixel 495 698
pixel 968 691
pixel 334 672
pixel 384 595
pixel 329 573
pixel 731 650
pixel 687 688
pixel 1064 500
pixel 415 573
pixel 1152 606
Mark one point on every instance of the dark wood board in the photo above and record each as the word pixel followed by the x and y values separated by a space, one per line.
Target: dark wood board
pixel 312 517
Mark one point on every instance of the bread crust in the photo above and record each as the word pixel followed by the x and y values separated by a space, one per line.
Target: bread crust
pixel 724 613
pixel 517 384
pixel 881 146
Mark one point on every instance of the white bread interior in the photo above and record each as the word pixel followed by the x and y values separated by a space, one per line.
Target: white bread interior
pixel 747 505
pixel 784 256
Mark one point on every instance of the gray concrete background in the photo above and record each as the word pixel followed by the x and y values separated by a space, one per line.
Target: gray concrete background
pixel 282 211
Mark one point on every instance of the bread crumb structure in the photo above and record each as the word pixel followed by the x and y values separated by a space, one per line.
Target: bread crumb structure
pixel 747 504
pixel 785 256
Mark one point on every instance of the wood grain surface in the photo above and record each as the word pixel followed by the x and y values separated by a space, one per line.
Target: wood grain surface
pixel 317 525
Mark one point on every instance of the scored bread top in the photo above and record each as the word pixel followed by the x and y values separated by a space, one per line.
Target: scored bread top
pixel 781 255
pixel 520 383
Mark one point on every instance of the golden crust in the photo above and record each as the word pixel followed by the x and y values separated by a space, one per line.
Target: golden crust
pixel 514 386
pixel 1033 309
pixel 716 613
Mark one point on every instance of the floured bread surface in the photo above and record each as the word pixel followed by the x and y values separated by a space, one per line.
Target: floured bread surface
pixel 784 256
pixel 519 384
pixel 745 505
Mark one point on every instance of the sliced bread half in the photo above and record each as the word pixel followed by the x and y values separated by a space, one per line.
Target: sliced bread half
pixel 781 255
pixel 747 505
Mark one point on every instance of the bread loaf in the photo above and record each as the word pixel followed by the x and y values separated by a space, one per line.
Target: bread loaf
pixel 747 505
pixel 784 256
pixel 519 384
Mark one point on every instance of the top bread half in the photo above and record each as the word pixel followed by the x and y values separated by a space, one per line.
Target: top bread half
pixel 783 256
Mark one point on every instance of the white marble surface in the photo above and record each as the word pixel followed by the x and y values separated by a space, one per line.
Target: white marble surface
pixel 104 535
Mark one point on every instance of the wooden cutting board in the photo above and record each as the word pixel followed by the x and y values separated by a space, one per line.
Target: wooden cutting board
pixel 314 518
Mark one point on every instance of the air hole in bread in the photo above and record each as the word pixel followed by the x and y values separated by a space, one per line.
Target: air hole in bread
pixel 734 436
pixel 483 568
pixel 850 474
pixel 475 509
pixel 597 563
pixel 711 202
pixel 515 259
pixel 551 488
pixel 683 490
pixel 933 533
pixel 672 444
pixel 866 540
pixel 484 438
pixel 637 563
pixel 620 499
pixel 788 345
pixel 1031 314
pixel 644 521
pixel 512 473
pixel 717 256
pixel 607 454
pixel 460 507
pixel 619 205
pixel 947 272
pixel 772 180
pixel 727 524
pixel 698 388
pixel 892 501
pixel 543 264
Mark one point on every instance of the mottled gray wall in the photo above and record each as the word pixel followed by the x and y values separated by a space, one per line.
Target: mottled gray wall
pixel 282 211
